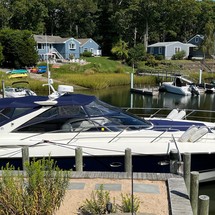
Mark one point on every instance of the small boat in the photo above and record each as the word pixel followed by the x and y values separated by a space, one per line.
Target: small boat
pixel 210 87
pixel 181 86
pixel 56 126
pixel 18 90
pixel 17 73
pixel 21 75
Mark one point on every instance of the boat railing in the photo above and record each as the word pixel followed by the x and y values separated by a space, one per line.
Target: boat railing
pixel 191 114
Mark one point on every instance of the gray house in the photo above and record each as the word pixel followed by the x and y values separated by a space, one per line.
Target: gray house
pixel 197 52
pixel 57 47
pixel 168 49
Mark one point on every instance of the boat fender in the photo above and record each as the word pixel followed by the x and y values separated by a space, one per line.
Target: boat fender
pixel 188 133
pixel 172 114
pixel 199 134
pixel 180 115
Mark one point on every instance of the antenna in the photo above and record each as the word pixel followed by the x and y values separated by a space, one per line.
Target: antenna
pixel 47 66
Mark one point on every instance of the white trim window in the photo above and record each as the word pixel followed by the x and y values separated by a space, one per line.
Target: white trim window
pixel 40 46
pixel 159 50
pixel 196 39
pixel 177 49
pixel 72 45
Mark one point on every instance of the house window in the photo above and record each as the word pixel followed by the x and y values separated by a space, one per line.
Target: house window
pixel 152 50
pixel 177 49
pixel 160 50
pixel 40 46
pixel 85 50
pixel 196 39
pixel 72 45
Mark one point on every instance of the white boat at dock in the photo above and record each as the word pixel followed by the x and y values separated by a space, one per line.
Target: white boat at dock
pixel 181 86
pixel 56 126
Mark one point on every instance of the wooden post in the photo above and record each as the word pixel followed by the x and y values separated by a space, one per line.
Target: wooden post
pixel 128 161
pixel 187 168
pixel 203 208
pixel 78 159
pixel 194 191
pixel 3 89
pixel 25 156
pixel 174 161
pixel 132 78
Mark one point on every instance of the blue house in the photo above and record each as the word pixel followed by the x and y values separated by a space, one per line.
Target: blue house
pixel 56 47
pixel 168 49
pixel 197 52
pixel 89 45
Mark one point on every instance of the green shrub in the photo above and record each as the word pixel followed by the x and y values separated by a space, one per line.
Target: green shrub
pixel 89 72
pixel 99 200
pixel 86 54
pixel 97 203
pixel 151 61
pixel 119 69
pixel 127 204
pixel 159 57
pixel 41 191
pixel 179 55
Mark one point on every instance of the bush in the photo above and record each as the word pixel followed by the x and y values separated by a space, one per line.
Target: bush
pixel 100 199
pixel 41 191
pixel 86 54
pixel 97 203
pixel 119 69
pixel 179 55
pixel 159 57
pixel 127 204
pixel 151 61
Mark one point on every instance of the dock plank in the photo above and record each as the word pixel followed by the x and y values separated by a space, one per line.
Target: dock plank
pixel 179 199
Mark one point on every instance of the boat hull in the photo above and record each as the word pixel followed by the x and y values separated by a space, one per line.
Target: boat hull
pixel 169 87
pixel 146 163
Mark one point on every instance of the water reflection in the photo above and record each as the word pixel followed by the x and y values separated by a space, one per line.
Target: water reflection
pixel 121 97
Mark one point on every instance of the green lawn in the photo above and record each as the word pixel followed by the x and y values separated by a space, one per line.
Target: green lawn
pixel 108 65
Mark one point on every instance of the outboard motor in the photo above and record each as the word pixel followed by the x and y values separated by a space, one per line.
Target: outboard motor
pixel 194 90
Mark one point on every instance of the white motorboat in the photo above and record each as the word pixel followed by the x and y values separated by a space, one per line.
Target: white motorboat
pixel 181 86
pixel 56 127
pixel 17 90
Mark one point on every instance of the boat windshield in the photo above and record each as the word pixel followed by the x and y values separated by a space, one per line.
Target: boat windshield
pixel 94 116
pixel 7 114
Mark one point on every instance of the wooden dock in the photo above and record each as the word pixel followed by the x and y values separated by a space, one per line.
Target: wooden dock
pixel 145 91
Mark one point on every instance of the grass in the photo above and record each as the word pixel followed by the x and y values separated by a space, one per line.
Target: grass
pixel 102 72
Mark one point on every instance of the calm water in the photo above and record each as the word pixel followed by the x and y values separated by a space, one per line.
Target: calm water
pixel 122 97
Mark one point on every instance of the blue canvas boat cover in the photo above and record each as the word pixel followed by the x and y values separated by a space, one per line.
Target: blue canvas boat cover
pixel 29 101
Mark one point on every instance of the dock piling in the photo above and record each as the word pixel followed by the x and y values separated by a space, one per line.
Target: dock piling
pixel 187 168
pixel 194 191
pixel 25 156
pixel 203 208
pixel 128 161
pixel 78 159
pixel 174 158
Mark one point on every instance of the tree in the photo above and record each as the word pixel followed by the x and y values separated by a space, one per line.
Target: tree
pixel 40 191
pixel 208 42
pixel 135 54
pixel 120 50
pixel 19 48
pixel 1 54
